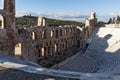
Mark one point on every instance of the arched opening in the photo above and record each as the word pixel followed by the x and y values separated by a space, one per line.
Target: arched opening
pixel 41 21
pixel 1 22
pixel 78 43
pixel 44 34
pixel 56 33
pixel 60 32
pixel 52 50
pixel 33 36
pixel 18 50
pixel 43 53
pixel 49 53
pixel 70 30
pixel 56 47
pixel 44 22
pixel 65 31
pixel 52 34
pixel 66 44
pixel 39 54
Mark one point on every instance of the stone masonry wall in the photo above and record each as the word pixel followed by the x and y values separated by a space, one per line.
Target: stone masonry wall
pixel 42 40
pixel 8 23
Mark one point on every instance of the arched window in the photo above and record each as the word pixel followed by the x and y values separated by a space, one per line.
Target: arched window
pixel 43 51
pixel 78 43
pixel 44 22
pixel 39 54
pixel 44 34
pixel 33 36
pixel 70 30
pixel 18 50
pixel 56 47
pixel 57 34
pixel 49 51
pixel 65 31
pixel 2 22
pixel 60 32
pixel 52 34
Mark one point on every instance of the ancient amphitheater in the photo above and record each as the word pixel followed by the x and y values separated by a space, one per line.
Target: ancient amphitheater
pixel 97 59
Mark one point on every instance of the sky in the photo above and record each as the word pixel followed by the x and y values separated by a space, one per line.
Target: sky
pixel 69 9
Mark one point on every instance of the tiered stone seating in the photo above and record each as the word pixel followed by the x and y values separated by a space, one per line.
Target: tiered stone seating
pixel 80 64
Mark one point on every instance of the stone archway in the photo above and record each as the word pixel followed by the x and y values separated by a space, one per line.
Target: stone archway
pixel 2 22
pixel 18 50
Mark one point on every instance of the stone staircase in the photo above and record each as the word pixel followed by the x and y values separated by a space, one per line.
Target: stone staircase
pixel 105 49
pixel 46 74
pixel 81 63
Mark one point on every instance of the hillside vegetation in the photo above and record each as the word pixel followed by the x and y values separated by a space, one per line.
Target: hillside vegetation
pixel 28 21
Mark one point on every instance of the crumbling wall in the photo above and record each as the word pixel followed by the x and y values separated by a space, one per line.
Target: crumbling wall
pixel 8 14
pixel 91 22
pixel 45 41
pixel 40 41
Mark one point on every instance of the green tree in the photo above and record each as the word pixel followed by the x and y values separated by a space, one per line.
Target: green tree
pixel 113 21
pixel 110 21
pixel 118 18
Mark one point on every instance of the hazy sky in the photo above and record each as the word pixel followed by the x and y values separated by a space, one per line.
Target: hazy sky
pixel 68 9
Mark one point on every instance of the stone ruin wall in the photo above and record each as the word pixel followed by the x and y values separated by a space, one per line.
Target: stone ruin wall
pixel 8 26
pixel 90 22
pixel 40 41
